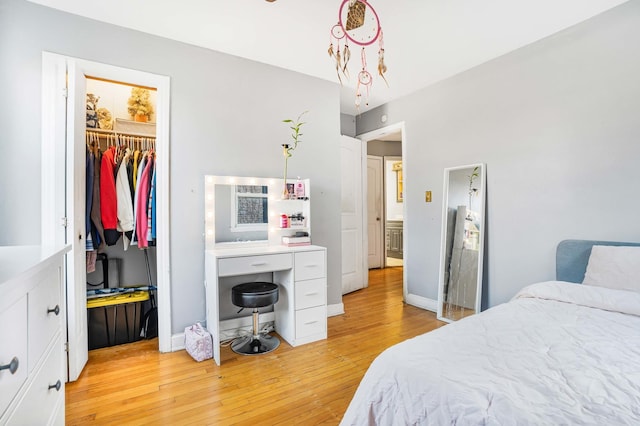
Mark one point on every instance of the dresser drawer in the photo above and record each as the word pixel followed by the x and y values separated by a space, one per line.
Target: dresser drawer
pixel 253 264
pixel 13 344
pixel 44 302
pixel 311 321
pixel 310 265
pixel 40 400
pixel 311 293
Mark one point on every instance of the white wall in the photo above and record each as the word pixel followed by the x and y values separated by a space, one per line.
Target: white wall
pixel 557 125
pixel 226 119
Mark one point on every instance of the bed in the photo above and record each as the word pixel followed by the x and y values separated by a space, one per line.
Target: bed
pixel 557 353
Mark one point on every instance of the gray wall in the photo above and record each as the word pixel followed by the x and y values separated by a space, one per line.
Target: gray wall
pixel 226 119
pixel 347 125
pixel 557 124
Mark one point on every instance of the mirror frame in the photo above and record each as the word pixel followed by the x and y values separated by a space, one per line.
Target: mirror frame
pixel 443 239
pixel 210 182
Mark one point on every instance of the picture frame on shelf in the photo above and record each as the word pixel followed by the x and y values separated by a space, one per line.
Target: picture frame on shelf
pixel 291 190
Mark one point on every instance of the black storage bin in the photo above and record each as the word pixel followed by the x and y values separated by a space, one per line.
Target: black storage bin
pixel 115 320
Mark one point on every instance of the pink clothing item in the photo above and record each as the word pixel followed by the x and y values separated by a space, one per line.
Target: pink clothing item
pixel 141 209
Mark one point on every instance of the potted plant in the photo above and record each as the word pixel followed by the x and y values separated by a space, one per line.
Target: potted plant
pixel 139 104
pixel 288 149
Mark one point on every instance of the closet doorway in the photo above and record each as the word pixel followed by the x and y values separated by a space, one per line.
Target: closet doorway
pixel 64 122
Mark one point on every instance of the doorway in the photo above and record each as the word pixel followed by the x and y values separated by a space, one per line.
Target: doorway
pixel 393 210
pixel 63 187
pixel 385 145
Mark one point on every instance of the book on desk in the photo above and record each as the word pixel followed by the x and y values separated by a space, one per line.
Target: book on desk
pixel 296 241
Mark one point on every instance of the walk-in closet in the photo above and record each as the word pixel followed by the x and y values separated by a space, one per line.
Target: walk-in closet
pixel 121 214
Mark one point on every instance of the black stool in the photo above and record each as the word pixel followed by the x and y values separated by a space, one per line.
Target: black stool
pixel 254 295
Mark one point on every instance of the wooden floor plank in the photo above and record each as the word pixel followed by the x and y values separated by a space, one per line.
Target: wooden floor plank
pixel 307 385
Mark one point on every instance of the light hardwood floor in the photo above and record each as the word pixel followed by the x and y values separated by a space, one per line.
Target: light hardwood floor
pixel 307 385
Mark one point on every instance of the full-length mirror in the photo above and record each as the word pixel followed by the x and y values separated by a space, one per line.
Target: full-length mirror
pixel 463 216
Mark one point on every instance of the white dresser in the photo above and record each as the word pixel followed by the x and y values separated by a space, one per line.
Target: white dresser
pixel 300 316
pixel 32 364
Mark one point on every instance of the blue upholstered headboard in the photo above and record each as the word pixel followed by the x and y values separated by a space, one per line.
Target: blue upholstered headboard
pixel 572 257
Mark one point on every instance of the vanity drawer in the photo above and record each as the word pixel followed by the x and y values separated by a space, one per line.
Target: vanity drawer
pixel 39 401
pixel 13 344
pixel 310 265
pixel 245 265
pixel 45 313
pixel 311 293
pixel 311 321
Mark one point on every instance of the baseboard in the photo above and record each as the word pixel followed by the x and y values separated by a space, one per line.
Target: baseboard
pixel 177 342
pixel 334 310
pixel 422 302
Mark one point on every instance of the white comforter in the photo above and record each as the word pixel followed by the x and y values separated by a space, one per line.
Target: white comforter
pixel 558 353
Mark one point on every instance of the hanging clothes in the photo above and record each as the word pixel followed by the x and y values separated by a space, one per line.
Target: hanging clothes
pixel 136 161
pixel 136 198
pixel 90 249
pixel 108 198
pixel 153 206
pixel 97 231
pixel 120 194
pixel 124 204
pixel 89 164
pixel 141 213
pixel 151 202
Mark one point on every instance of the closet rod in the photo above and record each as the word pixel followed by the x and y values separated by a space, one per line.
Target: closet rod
pixel 104 132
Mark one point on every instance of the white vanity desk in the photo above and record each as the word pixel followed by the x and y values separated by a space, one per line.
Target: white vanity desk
pixel 32 358
pixel 300 316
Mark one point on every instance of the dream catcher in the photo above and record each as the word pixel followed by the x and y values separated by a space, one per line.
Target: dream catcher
pixel 358 23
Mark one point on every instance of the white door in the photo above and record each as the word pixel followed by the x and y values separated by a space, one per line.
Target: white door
pixel 78 336
pixel 374 211
pixel 353 268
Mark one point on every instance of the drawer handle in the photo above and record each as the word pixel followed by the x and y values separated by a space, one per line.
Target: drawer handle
pixel 313 293
pixel 12 366
pixel 55 310
pixel 311 265
pixel 310 322
pixel 57 386
pixel 259 264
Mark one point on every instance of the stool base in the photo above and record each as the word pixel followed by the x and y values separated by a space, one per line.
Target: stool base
pixel 255 345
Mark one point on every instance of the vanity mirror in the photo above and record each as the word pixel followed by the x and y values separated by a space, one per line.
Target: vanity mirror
pixel 236 210
pixel 247 211
pixel 461 255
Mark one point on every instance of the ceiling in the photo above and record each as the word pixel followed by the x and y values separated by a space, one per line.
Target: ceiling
pixel 425 40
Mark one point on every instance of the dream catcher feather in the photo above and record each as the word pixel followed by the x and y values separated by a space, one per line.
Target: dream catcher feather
pixel 358 23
